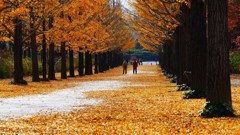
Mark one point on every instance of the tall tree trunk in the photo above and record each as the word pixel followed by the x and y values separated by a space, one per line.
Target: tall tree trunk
pixel 174 58
pixel 63 61
pixel 219 101
pixel 182 56
pixel 44 53
pixel 35 72
pixel 17 50
pixel 184 47
pixel 51 61
pixel 71 63
pixel 96 63
pixel 178 53
pixel 88 63
pixel 198 49
pixel 80 63
pixel 51 65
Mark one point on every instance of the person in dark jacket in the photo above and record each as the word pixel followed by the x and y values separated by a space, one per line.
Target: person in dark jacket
pixel 125 64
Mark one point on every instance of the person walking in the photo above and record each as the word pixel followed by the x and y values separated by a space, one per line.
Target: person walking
pixel 125 63
pixel 135 65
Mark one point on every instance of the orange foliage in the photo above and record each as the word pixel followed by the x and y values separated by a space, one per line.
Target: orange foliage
pixel 154 21
pixel 95 26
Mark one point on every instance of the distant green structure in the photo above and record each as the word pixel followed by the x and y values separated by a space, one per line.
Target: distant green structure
pixel 140 53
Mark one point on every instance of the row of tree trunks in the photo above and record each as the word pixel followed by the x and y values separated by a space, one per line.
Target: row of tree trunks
pixel 103 62
pixel 176 54
pixel 206 57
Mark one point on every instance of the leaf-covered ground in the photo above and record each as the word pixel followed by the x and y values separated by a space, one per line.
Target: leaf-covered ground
pixel 152 106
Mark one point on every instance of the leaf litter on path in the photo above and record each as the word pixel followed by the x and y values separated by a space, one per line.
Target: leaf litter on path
pixel 154 107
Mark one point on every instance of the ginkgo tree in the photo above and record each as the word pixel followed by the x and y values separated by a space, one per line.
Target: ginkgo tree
pixel 155 23
pixel 90 27
pixel 21 21
pixel 148 16
pixel 168 23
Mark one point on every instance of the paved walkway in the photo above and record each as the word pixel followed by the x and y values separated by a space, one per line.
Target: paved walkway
pixel 64 100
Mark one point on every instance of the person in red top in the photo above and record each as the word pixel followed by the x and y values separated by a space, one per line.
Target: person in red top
pixel 135 65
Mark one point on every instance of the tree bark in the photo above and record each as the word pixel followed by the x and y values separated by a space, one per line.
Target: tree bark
pixel 80 63
pixel 218 95
pixel 63 61
pixel 71 63
pixel 185 46
pixel 17 50
pixel 104 60
pixel 166 57
pixel 120 58
pixel 44 53
pixel 110 61
pixel 182 56
pixel 35 72
pixel 96 63
pixel 100 62
pixel 51 61
pixel 218 53
pixel 88 63
pixel 198 49
pixel 174 56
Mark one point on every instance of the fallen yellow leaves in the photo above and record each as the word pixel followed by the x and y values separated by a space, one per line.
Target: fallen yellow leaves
pixel 32 88
pixel 154 107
